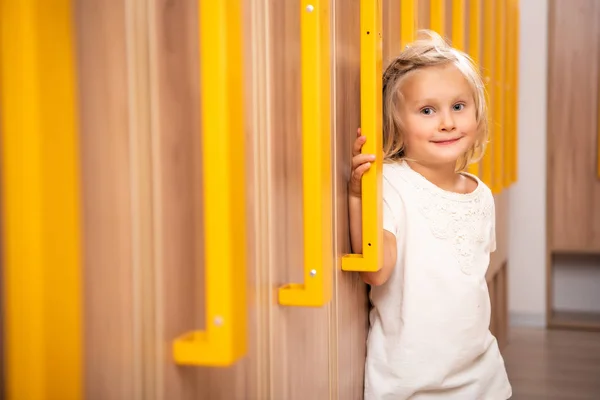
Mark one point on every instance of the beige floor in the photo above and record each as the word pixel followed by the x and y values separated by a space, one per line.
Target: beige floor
pixel 553 365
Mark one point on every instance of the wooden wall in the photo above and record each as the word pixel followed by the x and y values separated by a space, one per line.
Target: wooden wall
pixel 144 227
pixel 573 185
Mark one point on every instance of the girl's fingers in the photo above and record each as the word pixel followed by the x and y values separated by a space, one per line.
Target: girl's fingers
pixel 360 171
pixel 358 144
pixel 361 159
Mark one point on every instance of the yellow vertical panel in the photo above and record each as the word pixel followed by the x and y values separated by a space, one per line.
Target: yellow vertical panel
pixel 41 206
pixel 408 21
pixel 437 16
pixel 514 6
pixel 371 126
pixel 509 122
pixel 488 69
pixel 458 24
pixel 498 82
pixel 317 289
pixel 224 340
pixel 474 46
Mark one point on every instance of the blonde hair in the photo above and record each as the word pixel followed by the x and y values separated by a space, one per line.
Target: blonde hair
pixel 426 52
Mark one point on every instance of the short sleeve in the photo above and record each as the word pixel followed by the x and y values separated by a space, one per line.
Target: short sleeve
pixel 392 207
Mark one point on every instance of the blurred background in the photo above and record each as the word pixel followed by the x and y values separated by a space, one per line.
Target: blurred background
pixel 173 190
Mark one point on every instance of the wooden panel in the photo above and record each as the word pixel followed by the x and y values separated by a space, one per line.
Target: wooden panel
pixel 392 27
pixel 423 14
pixel 106 163
pixel 178 209
pixel 349 317
pixel 573 187
pixel 296 331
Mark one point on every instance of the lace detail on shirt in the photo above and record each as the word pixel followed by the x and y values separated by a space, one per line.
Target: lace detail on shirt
pixel 463 221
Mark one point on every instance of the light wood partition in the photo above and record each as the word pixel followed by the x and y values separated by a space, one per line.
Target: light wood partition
pixel 573 187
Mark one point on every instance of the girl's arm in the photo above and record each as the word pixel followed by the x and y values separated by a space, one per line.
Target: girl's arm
pixel 361 164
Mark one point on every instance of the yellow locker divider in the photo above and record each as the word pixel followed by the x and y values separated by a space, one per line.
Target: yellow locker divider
pixel 371 127
pixel 41 219
pixel 408 21
pixel 488 74
pixel 437 16
pixel 498 81
pixel 514 7
pixel 224 339
pixel 316 156
pixel 509 100
pixel 458 24
pixel 474 51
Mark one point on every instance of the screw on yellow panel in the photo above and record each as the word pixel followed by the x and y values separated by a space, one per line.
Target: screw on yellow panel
pixel 371 127
pixel 224 341
pixel 488 75
pixel 437 16
pixel 499 81
pixel 316 159
pixel 474 48
pixel 408 21
pixel 41 205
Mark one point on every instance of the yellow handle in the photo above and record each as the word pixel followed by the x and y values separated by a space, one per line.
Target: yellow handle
pixel 408 21
pixel 370 99
pixel 316 159
pixel 437 15
pixel 223 341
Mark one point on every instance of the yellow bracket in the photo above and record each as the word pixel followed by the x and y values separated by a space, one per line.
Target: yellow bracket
pixel 224 341
pixel 371 127
pixel 437 15
pixel 316 160
pixel 474 52
pixel 408 21
pixel 41 206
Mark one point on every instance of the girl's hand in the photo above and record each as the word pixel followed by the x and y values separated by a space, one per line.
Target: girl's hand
pixel 360 164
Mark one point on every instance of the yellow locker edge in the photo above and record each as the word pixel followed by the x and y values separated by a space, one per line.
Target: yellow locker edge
pixel 41 206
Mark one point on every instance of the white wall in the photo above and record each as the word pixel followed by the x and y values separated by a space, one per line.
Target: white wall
pixel 527 220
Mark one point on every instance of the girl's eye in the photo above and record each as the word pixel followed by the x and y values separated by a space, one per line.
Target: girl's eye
pixel 427 111
pixel 459 107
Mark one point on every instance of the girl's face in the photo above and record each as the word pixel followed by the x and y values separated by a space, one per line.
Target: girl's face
pixel 438 114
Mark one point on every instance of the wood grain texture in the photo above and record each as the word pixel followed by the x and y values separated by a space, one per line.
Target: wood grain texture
pixel 104 129
pixel 296 331
pixel 553 365
pixel 349 321
pixel 179 212
pixel 573 187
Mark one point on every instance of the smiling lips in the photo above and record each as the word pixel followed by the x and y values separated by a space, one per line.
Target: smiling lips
pixel 445 142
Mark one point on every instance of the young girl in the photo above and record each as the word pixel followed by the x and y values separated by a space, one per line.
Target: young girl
pixel 429 332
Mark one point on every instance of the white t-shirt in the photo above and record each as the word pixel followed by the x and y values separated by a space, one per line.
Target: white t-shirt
pixel 429 336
